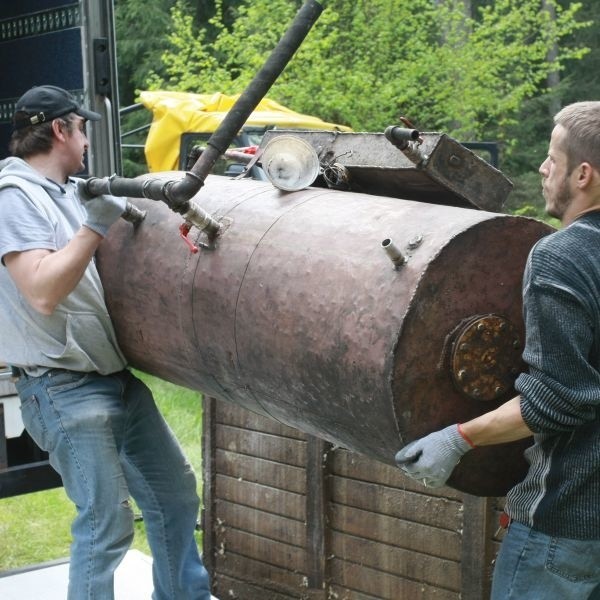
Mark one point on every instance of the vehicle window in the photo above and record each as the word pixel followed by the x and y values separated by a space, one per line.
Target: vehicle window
pixel 193 143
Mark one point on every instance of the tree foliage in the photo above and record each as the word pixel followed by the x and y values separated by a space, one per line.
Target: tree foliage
pixel 142 28
pixel 137 24
pixel 366 62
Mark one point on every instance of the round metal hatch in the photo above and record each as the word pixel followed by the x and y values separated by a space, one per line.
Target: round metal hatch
pixel 486 357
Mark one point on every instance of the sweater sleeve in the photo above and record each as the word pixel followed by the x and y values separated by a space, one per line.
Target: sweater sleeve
pixel 561 390
pixel 22 225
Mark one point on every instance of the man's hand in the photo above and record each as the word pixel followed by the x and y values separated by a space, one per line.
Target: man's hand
pixel 432 459
pixel 102 211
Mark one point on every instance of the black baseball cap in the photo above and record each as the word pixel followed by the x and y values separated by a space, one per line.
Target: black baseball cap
pixel 46 102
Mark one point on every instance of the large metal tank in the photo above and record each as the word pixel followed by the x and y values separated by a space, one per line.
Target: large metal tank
pixel 297 312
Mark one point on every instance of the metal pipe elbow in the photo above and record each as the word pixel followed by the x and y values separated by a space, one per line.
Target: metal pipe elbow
pixel 179 192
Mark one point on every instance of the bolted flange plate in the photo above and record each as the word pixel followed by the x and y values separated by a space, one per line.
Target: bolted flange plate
pixel 486 357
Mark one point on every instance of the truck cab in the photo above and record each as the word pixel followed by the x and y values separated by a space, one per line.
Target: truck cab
pixel 183 122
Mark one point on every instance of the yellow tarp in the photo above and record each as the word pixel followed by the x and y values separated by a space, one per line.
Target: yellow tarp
pixel 175 113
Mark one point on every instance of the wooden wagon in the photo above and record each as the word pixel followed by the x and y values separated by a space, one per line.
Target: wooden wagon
pixel 287 516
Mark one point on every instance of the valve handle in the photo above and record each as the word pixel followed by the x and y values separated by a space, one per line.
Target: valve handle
pixel 184 229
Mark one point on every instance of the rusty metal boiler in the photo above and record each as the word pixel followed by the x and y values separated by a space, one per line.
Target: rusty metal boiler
pixel 298 311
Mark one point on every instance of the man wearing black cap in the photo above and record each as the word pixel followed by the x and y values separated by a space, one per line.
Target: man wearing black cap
pixel 98 422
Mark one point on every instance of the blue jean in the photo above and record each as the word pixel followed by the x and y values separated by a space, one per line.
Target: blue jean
pixel 532 565
pixel 107 439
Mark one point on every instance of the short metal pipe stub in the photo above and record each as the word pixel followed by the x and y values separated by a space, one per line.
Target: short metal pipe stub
pixel 396 256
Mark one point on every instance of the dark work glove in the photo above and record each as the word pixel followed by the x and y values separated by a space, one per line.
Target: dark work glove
pixel 432 459
pixel 101 211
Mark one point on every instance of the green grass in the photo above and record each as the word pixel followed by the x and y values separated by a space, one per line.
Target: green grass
pixel 35 528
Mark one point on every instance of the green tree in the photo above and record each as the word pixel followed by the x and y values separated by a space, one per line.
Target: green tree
pixel 194 53
pixel 365 63
pixel 143 28
pixel 581 78
pixel 142 36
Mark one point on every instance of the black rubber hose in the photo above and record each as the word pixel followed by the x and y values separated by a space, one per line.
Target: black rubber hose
pixel 177 193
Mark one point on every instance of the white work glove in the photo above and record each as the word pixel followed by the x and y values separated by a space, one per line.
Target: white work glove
pixel 101 211
pixel 432 459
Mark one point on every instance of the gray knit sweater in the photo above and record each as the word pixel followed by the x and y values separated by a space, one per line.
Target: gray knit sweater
pixel 560 394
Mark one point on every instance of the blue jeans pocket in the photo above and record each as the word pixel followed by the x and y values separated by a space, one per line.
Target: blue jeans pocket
pixel 574 560
pixel 34 421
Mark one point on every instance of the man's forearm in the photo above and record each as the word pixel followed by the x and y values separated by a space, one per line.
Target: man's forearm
pixel 505 424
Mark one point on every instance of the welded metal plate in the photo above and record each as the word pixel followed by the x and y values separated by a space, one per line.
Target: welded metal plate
pixel 450 174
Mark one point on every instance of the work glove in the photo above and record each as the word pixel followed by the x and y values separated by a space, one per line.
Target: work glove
pixel 432 459
pixel 101 211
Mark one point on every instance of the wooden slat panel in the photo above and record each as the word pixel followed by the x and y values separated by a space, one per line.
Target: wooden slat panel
pixel 230 414
pixel 390 530
pixel 258 470
pixel 476 548
pixel 260 523
pixel 261 497
pixel 316 511
pixel 355 466
pixel 381 585
pixel 388 538
pixel 208 482
pixel 259 572
pixel 229 587
pixel 337 592
pixel 258 548
pixel 438 512
pixel 261 445
pixel 397 561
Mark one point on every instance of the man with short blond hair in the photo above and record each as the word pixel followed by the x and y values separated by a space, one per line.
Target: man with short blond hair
pixel 552 546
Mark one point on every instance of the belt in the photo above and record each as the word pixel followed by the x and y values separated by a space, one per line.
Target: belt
pixel 18 373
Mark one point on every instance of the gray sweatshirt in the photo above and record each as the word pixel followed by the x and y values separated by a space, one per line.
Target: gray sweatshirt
pixel 36 213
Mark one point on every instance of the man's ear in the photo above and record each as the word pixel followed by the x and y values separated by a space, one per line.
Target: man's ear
pixel 58 129
pixel 585 175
